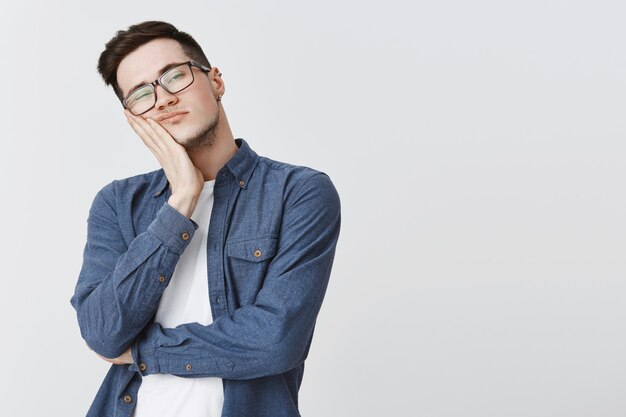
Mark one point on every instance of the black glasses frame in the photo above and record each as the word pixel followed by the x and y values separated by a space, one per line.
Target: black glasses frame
pixel 154 83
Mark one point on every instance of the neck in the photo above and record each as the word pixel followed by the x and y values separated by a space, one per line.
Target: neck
pixel 209 160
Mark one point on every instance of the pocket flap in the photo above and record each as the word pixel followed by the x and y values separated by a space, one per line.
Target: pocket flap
pixel 253 250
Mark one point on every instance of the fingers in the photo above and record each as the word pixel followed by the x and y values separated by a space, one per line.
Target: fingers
pixel 115 361
pixel 157 128
pixel 106 359
pixel 171 155
pixel 143 130
pixel 153 134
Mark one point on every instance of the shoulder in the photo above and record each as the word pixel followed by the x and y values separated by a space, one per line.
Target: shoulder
pixel 290 173
pixel 130 188
pixel 299 182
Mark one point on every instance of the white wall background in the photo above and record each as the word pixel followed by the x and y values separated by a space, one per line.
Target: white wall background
pixel 478 148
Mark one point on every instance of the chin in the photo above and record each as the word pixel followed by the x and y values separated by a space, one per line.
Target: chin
pixel 191 139
pixel 180 133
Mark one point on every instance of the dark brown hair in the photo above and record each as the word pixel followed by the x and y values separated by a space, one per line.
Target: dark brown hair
pixel 126 41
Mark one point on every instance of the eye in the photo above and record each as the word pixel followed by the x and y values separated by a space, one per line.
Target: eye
pixel 174 77
pixel 140 95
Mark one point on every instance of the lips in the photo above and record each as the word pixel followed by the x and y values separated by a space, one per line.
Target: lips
pixel 172 115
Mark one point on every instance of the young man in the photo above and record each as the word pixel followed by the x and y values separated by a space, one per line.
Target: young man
pixel 201 281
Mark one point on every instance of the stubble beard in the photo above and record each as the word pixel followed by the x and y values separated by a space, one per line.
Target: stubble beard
pixel 204 138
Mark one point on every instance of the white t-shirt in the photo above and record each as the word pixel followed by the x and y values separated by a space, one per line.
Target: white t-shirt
pixel 185 300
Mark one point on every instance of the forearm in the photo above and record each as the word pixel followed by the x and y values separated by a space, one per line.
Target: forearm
pixel 113 313
pixel 272 335
pixel 256 341
pixel 117 295
pixel 183 202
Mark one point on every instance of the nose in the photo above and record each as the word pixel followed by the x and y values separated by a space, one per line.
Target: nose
pixel 164 99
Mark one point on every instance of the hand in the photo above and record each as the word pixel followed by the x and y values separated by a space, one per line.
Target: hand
pixel 185 179
pixel 125 358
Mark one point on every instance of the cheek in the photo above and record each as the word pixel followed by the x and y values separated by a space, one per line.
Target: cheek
pixel 201 102
pixel 205 98
pixel 206 106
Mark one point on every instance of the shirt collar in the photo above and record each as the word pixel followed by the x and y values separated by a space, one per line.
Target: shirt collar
pixel 241 165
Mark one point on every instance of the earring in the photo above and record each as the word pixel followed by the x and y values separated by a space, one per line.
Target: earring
pixel 219 98
pixel 219 74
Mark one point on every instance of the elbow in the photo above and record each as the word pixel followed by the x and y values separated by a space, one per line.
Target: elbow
pixel 109 347
pixel 283 365
pixel 287 357
pixel 104 341
pixel 267 362
pixel 108 350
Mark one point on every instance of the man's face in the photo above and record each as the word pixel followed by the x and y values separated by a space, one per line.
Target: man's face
pixel 197 102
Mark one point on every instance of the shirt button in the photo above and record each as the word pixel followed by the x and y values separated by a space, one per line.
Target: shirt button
pixel 161 278
pixel 128 399
pixel 185 236
pixel 142 367
pixel 188 367
pixel 257 253
pixel 242 183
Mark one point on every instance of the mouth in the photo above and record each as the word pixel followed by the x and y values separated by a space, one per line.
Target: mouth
pixel 171 117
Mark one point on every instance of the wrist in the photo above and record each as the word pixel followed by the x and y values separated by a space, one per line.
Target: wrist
pixel 183 203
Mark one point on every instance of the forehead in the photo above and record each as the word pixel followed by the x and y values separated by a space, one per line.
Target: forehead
pixel 143 65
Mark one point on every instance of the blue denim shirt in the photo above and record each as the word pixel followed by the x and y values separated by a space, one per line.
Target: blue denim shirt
pixel 270 248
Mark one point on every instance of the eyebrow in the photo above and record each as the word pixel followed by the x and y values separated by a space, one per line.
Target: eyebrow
pixel 161 71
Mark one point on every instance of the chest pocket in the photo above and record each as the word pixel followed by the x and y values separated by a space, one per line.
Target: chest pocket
pixel 247 262
pixel 253 250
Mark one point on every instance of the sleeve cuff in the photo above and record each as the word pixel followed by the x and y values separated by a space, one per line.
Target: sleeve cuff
pixel 143 354
pixel 174 229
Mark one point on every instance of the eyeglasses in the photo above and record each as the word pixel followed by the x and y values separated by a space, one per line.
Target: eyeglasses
pixel 174 80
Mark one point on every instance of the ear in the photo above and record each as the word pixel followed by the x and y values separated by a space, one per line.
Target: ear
pixel 216 79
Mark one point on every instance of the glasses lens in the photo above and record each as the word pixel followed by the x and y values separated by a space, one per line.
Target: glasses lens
pixel 141 100
pixel 177 78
